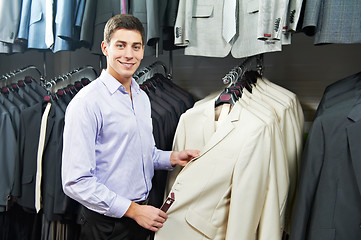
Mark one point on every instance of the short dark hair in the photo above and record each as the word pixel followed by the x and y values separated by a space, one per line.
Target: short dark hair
pixel 123 21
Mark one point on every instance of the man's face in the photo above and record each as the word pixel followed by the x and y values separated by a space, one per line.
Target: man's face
pixel 124 53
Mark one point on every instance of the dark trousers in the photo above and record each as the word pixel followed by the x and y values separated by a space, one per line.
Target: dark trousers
pixel 99 227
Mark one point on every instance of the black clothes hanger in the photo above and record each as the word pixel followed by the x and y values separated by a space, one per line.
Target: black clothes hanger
pixel 227 96
pixel 238 78
pixel 148 72
pixel 83 75
pixel 22 73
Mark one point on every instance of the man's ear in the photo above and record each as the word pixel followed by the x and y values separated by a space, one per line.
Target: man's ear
pixel 104 47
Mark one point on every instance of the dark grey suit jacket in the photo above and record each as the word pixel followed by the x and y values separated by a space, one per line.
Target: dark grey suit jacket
pixel 55 202
pixel 87 26
pixel 7 156
pixel 104 11
pixel 329 191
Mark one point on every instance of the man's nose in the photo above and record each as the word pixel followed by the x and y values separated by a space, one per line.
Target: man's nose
pixel 128 52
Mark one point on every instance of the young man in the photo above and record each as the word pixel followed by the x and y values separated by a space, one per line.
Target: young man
pixel 109 155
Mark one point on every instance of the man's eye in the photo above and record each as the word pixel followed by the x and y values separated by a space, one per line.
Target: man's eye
pixel 120 45
pixel 136 48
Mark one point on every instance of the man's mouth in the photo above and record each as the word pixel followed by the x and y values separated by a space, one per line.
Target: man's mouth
pixel 127 65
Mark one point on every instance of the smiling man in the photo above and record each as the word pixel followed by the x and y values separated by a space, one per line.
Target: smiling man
pixel 109 154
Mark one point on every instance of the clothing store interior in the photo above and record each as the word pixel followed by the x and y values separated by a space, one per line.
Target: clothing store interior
pixel 291 68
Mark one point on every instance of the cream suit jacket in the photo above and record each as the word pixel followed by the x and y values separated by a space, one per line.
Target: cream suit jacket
pixel 290 133
pixel 198 26
pixel 237 188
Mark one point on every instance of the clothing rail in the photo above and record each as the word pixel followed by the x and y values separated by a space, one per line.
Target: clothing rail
pixel 77 74
pixel 238 71
pixel 20 74
pixel 145 73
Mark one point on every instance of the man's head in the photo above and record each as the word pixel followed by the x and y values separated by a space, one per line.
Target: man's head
pixel 123 21
pixel 123 46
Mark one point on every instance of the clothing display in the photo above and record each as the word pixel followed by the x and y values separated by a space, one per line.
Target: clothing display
pixel 270 20
pixel 268 167
pixel 328 192
pixel 28 182
pixel 247 169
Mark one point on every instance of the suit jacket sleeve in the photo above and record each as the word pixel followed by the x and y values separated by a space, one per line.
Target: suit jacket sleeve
pixel 271 18
pixel 7 156
pixel 182 27
pixel 9 20
pixel 266 220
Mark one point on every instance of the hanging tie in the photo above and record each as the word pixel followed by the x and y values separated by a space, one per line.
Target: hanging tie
pixel 40 158
pixel 229 19
pixel 49 35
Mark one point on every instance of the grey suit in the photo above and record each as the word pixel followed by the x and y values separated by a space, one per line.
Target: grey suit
pixel 87 26
pixel 328 201
pixel 333 21
pixel 104 11
pixel 7 156
pixel 9 24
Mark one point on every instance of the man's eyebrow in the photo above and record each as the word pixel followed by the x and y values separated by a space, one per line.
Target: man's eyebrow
pixel 124 42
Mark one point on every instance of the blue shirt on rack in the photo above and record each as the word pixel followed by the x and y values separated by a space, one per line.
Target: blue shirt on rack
pixel 109 154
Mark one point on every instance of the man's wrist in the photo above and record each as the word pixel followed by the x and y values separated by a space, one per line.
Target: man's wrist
pixel 173 158
pixel 131 212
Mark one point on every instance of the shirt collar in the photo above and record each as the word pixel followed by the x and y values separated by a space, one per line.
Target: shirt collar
pixel 113 84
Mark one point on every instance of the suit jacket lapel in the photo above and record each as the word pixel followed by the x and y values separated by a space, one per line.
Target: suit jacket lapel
pixel 223 130
pixel 209 123
pixel 353 134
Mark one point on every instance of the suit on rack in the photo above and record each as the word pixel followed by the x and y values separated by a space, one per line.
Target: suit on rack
pixel 192 29
pixel 237 187
pixel 36 37
pixel 54 201
pixel 104 11
pixel 338 91
pixel 87 26
pixel 29 134
pixel 9 20
pixel 8 147
pixel 9 24
pixel 333 21
pixel 329 191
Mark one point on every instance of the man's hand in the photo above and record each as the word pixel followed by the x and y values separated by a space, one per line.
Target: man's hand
pixel 146 216
pixel 183 157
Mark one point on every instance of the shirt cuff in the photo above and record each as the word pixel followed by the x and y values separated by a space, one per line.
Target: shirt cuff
pixel 119 207
pixel 163 162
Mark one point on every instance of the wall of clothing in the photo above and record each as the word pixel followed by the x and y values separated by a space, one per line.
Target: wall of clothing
pixel 33 202
pixel 252 114
pixel 324 49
